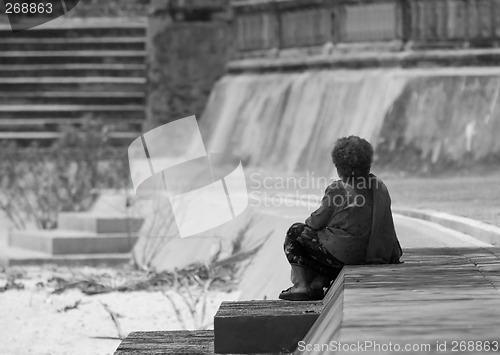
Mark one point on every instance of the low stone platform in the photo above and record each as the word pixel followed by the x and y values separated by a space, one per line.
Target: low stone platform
pixel 81 239
pixel 437 300
pixel 263 326
pixel 88 222
pixel 11 256
pixel 438 297
pixel 57 242
pixel 168 343
pixel 272 326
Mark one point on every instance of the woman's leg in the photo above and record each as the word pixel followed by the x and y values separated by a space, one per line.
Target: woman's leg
pixel 313 268
pixel 302 247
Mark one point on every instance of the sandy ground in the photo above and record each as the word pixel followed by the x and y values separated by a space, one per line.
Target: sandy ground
pixel 35 321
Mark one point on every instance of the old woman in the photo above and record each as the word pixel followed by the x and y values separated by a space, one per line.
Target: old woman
pixel 353 225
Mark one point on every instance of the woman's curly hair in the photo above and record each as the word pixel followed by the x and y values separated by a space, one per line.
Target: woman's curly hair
pixel 352 156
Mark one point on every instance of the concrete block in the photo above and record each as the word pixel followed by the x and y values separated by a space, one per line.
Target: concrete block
pixel 199 342
pixel 59 242
pixel 262 327
pixel 12 256
pixel 87 222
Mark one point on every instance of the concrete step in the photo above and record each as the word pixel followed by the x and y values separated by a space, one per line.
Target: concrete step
pixel 72 44
pixel 87 56
pixel 56 124
pixel 64 242
pixel 73 84
pixel 436 294
pixel 75 98
pixel 71 111
pixel 122 29
pixel 200 342
pixel 87 222
pixel 13 256
pixel 72 80
pixel 70 68
pixel 51 122
pixel 101 22
pixel 124 138
pixel 261 327
pixel 73 70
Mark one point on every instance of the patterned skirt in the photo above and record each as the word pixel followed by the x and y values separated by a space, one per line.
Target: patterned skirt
pixel 302 247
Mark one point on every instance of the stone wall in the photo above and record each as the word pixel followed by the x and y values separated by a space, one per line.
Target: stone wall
pixel 420 120
pixel 442 120
pixel 187 52
pixel 270 28
pixel 110 8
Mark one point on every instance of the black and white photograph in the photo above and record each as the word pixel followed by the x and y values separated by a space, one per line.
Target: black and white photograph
pixel 301 177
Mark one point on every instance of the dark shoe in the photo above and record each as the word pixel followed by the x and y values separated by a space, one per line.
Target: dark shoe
pixel 310 295
pixel 302 277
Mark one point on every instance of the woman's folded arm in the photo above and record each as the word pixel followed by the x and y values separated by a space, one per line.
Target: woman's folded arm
pixel 330 205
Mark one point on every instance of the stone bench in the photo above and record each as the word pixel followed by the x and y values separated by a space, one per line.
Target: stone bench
pixel 249 327
pixel 199 342
pixel 261 327
pixel 436 296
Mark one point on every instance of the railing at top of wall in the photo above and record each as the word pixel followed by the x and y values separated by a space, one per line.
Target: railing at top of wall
pixel 282 24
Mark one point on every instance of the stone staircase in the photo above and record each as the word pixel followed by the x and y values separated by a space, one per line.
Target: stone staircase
pixel 82 238
pixel 63 73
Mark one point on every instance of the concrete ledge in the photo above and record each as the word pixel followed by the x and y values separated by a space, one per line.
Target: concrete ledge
pixel 57 242
pixel 199 342
pixel 88 222
pixel 436 295
pixel 257 327
pixel 65 23
pixel 327 327
pixel 358 60
pixel 484 232
pixel 19 257
pixel 261 327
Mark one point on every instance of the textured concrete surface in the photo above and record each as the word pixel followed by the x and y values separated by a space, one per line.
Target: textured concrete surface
pixel 94 223
pixel 184 61
pixel 444 297
pixel 63 242
pixel 419 119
